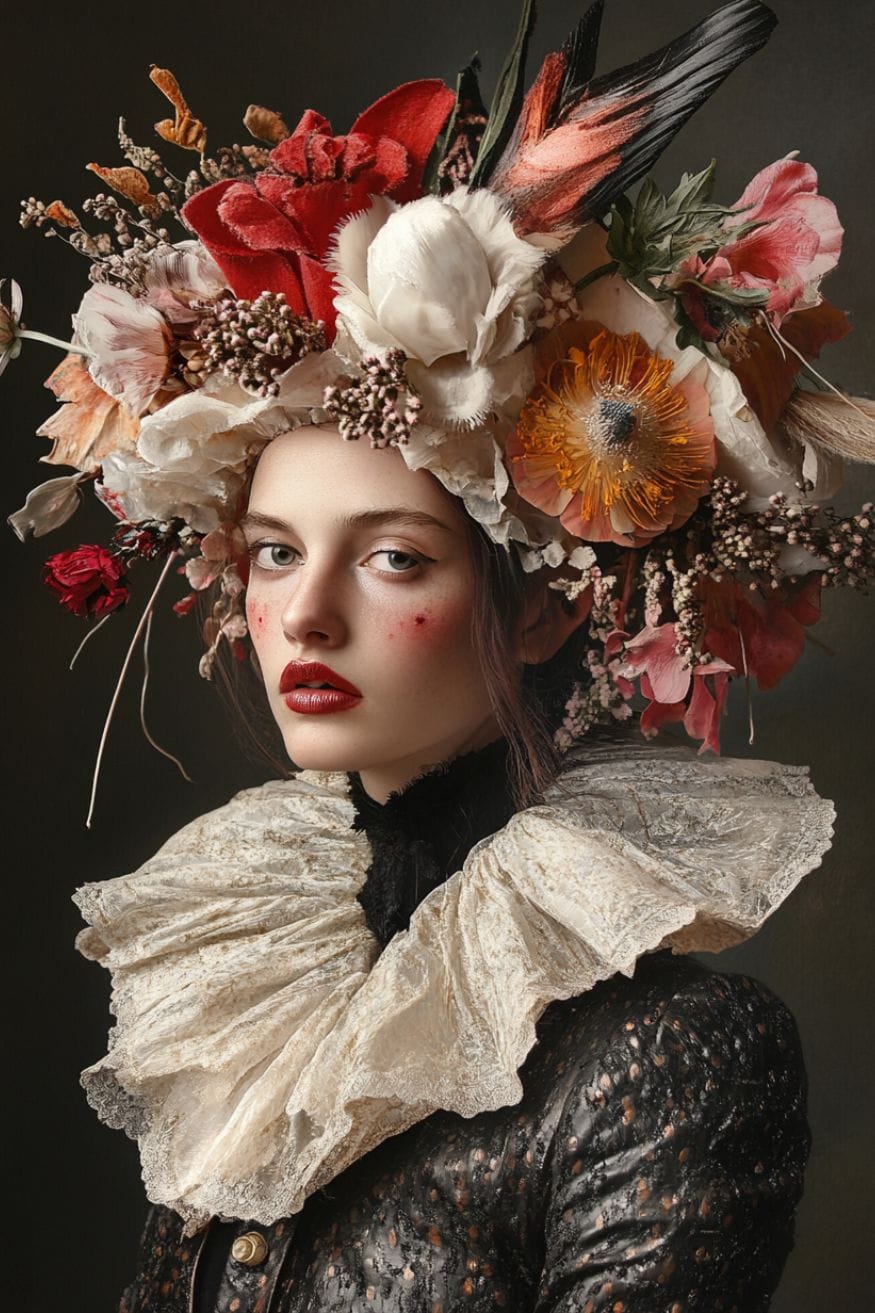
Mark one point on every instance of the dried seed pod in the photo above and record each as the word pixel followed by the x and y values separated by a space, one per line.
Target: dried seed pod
pixel 185 130
pixel 265 124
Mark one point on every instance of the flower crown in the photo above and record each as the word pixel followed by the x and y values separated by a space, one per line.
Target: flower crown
pixel 621 387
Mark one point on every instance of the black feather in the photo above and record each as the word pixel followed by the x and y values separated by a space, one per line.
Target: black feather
pixel 674 82
pixel 580 50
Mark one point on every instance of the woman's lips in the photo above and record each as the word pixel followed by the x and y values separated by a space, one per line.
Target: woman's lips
pixel 300 688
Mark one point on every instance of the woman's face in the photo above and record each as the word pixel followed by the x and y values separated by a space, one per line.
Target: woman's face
pixel 361 579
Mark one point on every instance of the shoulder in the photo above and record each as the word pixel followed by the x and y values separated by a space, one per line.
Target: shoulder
pixel 678 1141
pixel 722 1038
pixel 269 815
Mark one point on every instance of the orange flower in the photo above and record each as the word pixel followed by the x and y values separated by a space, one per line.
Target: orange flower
pixel 609 441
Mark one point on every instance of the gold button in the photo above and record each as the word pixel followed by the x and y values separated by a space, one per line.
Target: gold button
pixel 250 1249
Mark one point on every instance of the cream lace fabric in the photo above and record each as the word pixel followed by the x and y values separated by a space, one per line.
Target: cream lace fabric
pixel 263 1044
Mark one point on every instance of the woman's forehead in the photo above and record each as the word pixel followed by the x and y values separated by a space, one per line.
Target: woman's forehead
pixel 314 473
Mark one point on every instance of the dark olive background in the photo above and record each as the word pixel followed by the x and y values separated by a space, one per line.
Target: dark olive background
pixel 74 1185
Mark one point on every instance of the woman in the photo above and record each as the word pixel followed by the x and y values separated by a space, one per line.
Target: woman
pixel 207 1086
pixel 658 1147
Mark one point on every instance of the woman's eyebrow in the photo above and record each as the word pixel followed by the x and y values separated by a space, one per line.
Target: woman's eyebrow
pixel 358 520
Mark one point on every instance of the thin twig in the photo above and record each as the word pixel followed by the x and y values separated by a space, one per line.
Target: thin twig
pixel 121 679
pixel 149 739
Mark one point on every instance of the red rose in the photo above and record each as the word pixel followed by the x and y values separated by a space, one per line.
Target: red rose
pixel 272 233
pixel 88 581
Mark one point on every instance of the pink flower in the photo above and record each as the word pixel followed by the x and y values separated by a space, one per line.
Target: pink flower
pixel 128 345
pixel 676 689
pixel 654 652
pixel 785 259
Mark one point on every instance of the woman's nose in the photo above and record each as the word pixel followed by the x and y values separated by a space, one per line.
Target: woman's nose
pixel 313 611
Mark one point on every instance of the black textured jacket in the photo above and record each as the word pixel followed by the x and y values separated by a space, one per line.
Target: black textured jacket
pixel 652 1166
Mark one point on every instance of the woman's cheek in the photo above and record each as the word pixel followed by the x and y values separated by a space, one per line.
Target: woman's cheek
pixel 257 616
pixel 431 626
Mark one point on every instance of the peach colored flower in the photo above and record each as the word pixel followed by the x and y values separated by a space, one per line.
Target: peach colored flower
pixel 609 441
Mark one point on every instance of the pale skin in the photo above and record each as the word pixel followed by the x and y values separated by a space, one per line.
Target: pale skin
pixel 362 564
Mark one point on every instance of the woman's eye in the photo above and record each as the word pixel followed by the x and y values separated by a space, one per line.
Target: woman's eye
pixel 272 556
pixel 397 562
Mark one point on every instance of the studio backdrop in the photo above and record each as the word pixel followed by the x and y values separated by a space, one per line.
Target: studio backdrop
pixel 72 1186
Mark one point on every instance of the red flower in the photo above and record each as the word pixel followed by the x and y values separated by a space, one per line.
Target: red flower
pixel 799 241
pixel 88 581
pixel 273 233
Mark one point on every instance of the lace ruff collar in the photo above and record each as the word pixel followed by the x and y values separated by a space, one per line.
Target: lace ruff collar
pixel 263 1043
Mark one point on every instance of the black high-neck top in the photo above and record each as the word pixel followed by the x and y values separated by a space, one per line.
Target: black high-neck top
pixel 424 832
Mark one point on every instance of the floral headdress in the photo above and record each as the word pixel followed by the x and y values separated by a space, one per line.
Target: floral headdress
pixel 620 387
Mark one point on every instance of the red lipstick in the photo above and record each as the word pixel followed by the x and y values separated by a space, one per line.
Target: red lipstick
pixel 313 689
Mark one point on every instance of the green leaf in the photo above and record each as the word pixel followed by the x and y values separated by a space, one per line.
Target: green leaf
pixel 656 233
pixel 467 89
pixel 506 103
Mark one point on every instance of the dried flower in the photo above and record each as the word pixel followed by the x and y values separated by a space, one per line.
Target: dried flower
pixel 368 407
pixel 128 344
pixel 184 130
pixel 61 214
pixel 88 580
pixel 47 507
pixel 265 124
pixel 253 342
pixel 90 424
pixel 128 182
pixel 142 157
pixel 10 321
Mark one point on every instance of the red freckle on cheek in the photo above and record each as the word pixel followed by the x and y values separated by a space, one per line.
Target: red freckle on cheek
pixel 256 614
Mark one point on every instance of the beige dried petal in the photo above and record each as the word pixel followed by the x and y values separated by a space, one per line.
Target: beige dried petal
pixel 185 130
pixel 127 181
pixel 90 424
pixel 265 124
pixel 62 215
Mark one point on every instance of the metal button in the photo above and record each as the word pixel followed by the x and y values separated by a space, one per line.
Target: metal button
pixel 250 1249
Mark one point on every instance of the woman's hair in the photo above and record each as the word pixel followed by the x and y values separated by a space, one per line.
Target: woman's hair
pixel 528 710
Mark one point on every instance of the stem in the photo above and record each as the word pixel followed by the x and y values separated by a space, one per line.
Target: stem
pixel 145 728
pixel 91 632
pixel 51 341
pixel 143 621
pixel 809 368
pixel 611 267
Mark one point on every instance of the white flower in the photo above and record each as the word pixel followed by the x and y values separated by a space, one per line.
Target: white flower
pixel 762 464
pixel 470 465
pixel 448 282
pixel 193 455
pixel 47 507
pixel 10 317
pixel 128 345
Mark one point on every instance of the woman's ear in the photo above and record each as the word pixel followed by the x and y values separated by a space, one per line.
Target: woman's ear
pixel 548 618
